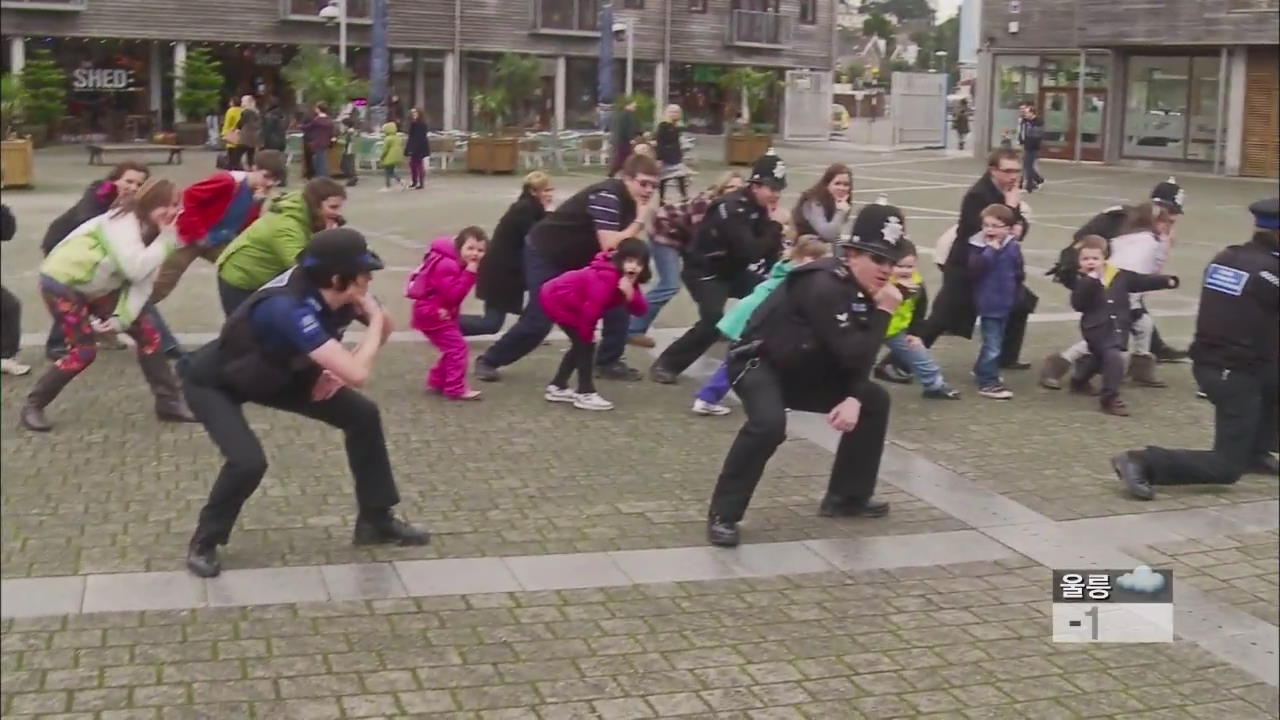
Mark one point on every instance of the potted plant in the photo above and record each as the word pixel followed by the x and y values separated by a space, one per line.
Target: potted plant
pixel 516 79
pixel 44 84
pixel 744 142
pixel 320 76
pixel 199 95
pixel 17 154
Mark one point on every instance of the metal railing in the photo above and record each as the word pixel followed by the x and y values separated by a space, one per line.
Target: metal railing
pixel 753 28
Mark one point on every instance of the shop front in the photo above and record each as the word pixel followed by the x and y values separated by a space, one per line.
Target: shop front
pixel 1074 121
pixel 1171 107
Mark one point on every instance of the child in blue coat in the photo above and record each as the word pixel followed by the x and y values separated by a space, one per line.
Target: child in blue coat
pixel 995 262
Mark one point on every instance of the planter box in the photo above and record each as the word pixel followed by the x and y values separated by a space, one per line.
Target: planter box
pixel 17 163
pixel 745 148
pixel 493 154
pixel 191 133
pixel 37 134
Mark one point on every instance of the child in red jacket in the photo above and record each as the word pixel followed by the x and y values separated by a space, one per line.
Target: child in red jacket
pixel 437 288
pixel 578 299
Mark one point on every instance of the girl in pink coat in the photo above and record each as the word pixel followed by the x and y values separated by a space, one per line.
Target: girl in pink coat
pixel 437 288
pixel 577 300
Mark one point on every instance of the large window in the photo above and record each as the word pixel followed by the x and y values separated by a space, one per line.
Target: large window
pixel 568 15
pixel 1017 80
pixel 1171 108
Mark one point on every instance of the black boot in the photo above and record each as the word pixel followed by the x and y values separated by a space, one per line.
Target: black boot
pixel 1265 464
pixel 1133 474
pixel 721 532
pixel 387 529
pixel 170 405
pixel 32 416
pixel 833 506
pixel 202 559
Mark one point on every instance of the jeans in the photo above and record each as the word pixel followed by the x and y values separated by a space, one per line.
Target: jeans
pixel 320 163
pixel 389 174
pixel 666 263
pixel 919 360
pixel 487 324
pixel 534 325
pixel 231 296
pixel 579 358
pixel 717 386
pixel 987 369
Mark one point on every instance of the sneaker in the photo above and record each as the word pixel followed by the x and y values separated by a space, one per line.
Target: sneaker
pixel 468 395
pixel 945 392
pixel 1202 395
pixel 1015 365
pixel 892 373
pixel 9 366
pixel 618 371
pixel 486 372
pixel 702 407
pixel 559 394
pixel 591 401
pixel 995 392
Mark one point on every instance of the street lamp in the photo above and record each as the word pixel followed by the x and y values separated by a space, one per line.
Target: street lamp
pixel 622 31
pixel 336 11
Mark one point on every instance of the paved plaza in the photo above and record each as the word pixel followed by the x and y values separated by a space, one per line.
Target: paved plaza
pixel 568 575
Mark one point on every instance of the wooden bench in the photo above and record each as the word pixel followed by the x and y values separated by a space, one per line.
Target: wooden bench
pixel 98 153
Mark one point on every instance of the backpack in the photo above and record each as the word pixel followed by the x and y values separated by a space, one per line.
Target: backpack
pixel 415 287
pixel 1106 224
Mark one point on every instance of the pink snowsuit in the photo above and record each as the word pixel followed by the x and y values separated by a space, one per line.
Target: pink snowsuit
pixel 437 289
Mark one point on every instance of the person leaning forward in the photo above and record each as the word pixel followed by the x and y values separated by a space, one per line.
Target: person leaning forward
pixel 810 347
pixel 282 349
pixel 1235 358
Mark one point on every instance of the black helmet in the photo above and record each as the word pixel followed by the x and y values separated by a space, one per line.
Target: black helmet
pixel 769 171
pixel 877 230
pixel 1169 194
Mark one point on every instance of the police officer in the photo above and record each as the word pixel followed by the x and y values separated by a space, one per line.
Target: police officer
pixel 810 346
pixel 733 249
pixel 1236 358
pixel 282 349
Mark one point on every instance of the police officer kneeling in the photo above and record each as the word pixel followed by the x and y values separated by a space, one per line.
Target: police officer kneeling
pixel 810 347
pixel 1236 358
pixel 282 349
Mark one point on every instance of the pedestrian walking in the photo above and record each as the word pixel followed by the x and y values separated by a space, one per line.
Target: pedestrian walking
pixel 1236 360
pixel 283 349
pixel 392 156
pixel 671 155
pixel 1031 137
pixel 960 121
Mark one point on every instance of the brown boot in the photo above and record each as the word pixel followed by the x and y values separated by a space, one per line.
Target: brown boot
pixel 1113 405
pixel 170 405
pixel 1142 369
pixel 46 389
pixel 1052 369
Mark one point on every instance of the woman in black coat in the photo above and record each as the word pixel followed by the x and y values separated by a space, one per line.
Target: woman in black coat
pixel 500 281
pixel 417 148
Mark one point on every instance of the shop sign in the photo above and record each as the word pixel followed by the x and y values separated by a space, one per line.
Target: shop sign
pixel 91 79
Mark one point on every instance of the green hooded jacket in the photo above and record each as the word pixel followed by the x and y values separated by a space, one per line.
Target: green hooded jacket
pixel 392 146
pixel 735 321
pixel 269 246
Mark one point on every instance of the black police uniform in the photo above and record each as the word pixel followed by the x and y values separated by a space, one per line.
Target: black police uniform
pixel 252 362
pixel 808 347
pixel 734 248
pixel 1236 356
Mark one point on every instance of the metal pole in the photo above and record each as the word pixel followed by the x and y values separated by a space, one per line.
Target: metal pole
pixel 342 32
pixel 1222 109
pixel 946 85
pixel 1080 107
pixel 631 56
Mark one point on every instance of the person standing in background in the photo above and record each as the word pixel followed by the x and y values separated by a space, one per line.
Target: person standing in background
pixel 317 135
pixel 671 155
pixel 230 132
pixel 250 127
pixel 625 128
pixel 417 148
pixel 275 126
pixel 1031 135
pixel 960 121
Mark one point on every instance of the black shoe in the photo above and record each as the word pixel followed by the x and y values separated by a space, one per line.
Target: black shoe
pixel 1265 465
pixel 721 532
pixel 389 530
pixel 659 374
pixel 892 373
pixel 833 506
pixel 1134 476
pixel 1016 365
pixel 202 560
pixel 486 372
pixel 618 370
pixel 946 392
pixel 1169 355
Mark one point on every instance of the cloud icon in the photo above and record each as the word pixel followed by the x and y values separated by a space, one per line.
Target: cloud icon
pixel 1142 580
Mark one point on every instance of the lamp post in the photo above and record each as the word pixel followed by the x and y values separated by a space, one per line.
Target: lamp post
pixel 336 11
pixel 946 86
pixel 623 31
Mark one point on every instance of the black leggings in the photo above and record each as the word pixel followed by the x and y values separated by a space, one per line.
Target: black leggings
pixel 682 182
pixel 581 357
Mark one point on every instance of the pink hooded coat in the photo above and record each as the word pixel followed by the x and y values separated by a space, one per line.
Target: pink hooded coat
pixel 441 282
pixel 579 298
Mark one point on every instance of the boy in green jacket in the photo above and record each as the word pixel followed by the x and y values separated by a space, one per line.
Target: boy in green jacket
pixel 807 249
pixel 905 346
pixel 392 155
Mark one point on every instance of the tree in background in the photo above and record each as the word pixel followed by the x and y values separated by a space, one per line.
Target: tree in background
pixel 44 87
pixel 201 91
pixel 319 75
pixel 901 9
pixel 878 25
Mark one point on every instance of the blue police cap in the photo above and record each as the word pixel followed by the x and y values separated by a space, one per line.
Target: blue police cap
pixel 1266 213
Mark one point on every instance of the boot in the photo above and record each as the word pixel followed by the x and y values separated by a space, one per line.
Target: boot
pixel 1113 405
pixel 170 406
pixel 1052 369
pixel 1142 369
pixel 46 389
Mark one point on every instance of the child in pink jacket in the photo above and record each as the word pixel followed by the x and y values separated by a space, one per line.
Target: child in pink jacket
pixel 437 288
pixel 577 300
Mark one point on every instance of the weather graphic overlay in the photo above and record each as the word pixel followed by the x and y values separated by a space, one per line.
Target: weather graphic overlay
pixel 1113 606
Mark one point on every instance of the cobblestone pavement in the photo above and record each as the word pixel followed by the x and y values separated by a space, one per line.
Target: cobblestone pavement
pixel 111 491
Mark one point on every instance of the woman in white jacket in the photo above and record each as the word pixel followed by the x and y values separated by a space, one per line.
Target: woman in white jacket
pixel 101 277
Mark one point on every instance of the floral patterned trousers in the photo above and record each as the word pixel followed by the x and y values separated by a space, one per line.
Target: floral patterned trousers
pixel 74 313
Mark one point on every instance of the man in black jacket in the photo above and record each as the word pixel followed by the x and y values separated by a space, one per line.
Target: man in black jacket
pixel 733 250
pixel 1031 135
pixel 810 346
pixel 10 309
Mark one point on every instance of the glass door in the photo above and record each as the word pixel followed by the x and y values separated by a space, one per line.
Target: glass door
pixel 1058 110
pixel 1093 123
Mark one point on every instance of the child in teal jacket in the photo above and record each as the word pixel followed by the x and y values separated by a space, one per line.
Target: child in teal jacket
pixel 807 249
pixel 392 154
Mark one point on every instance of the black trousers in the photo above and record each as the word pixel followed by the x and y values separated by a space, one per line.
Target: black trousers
pixel 1108 361
pixel 765 396
pixel 10 323
pixel 245 462
pixel 1244 428
pixel 580 357
pixel 711 295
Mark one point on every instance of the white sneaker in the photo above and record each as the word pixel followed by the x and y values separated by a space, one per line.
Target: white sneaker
pixel 995 392
pixel 702 407
pixel 9 366
pixel 591 401
pixel 559 394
